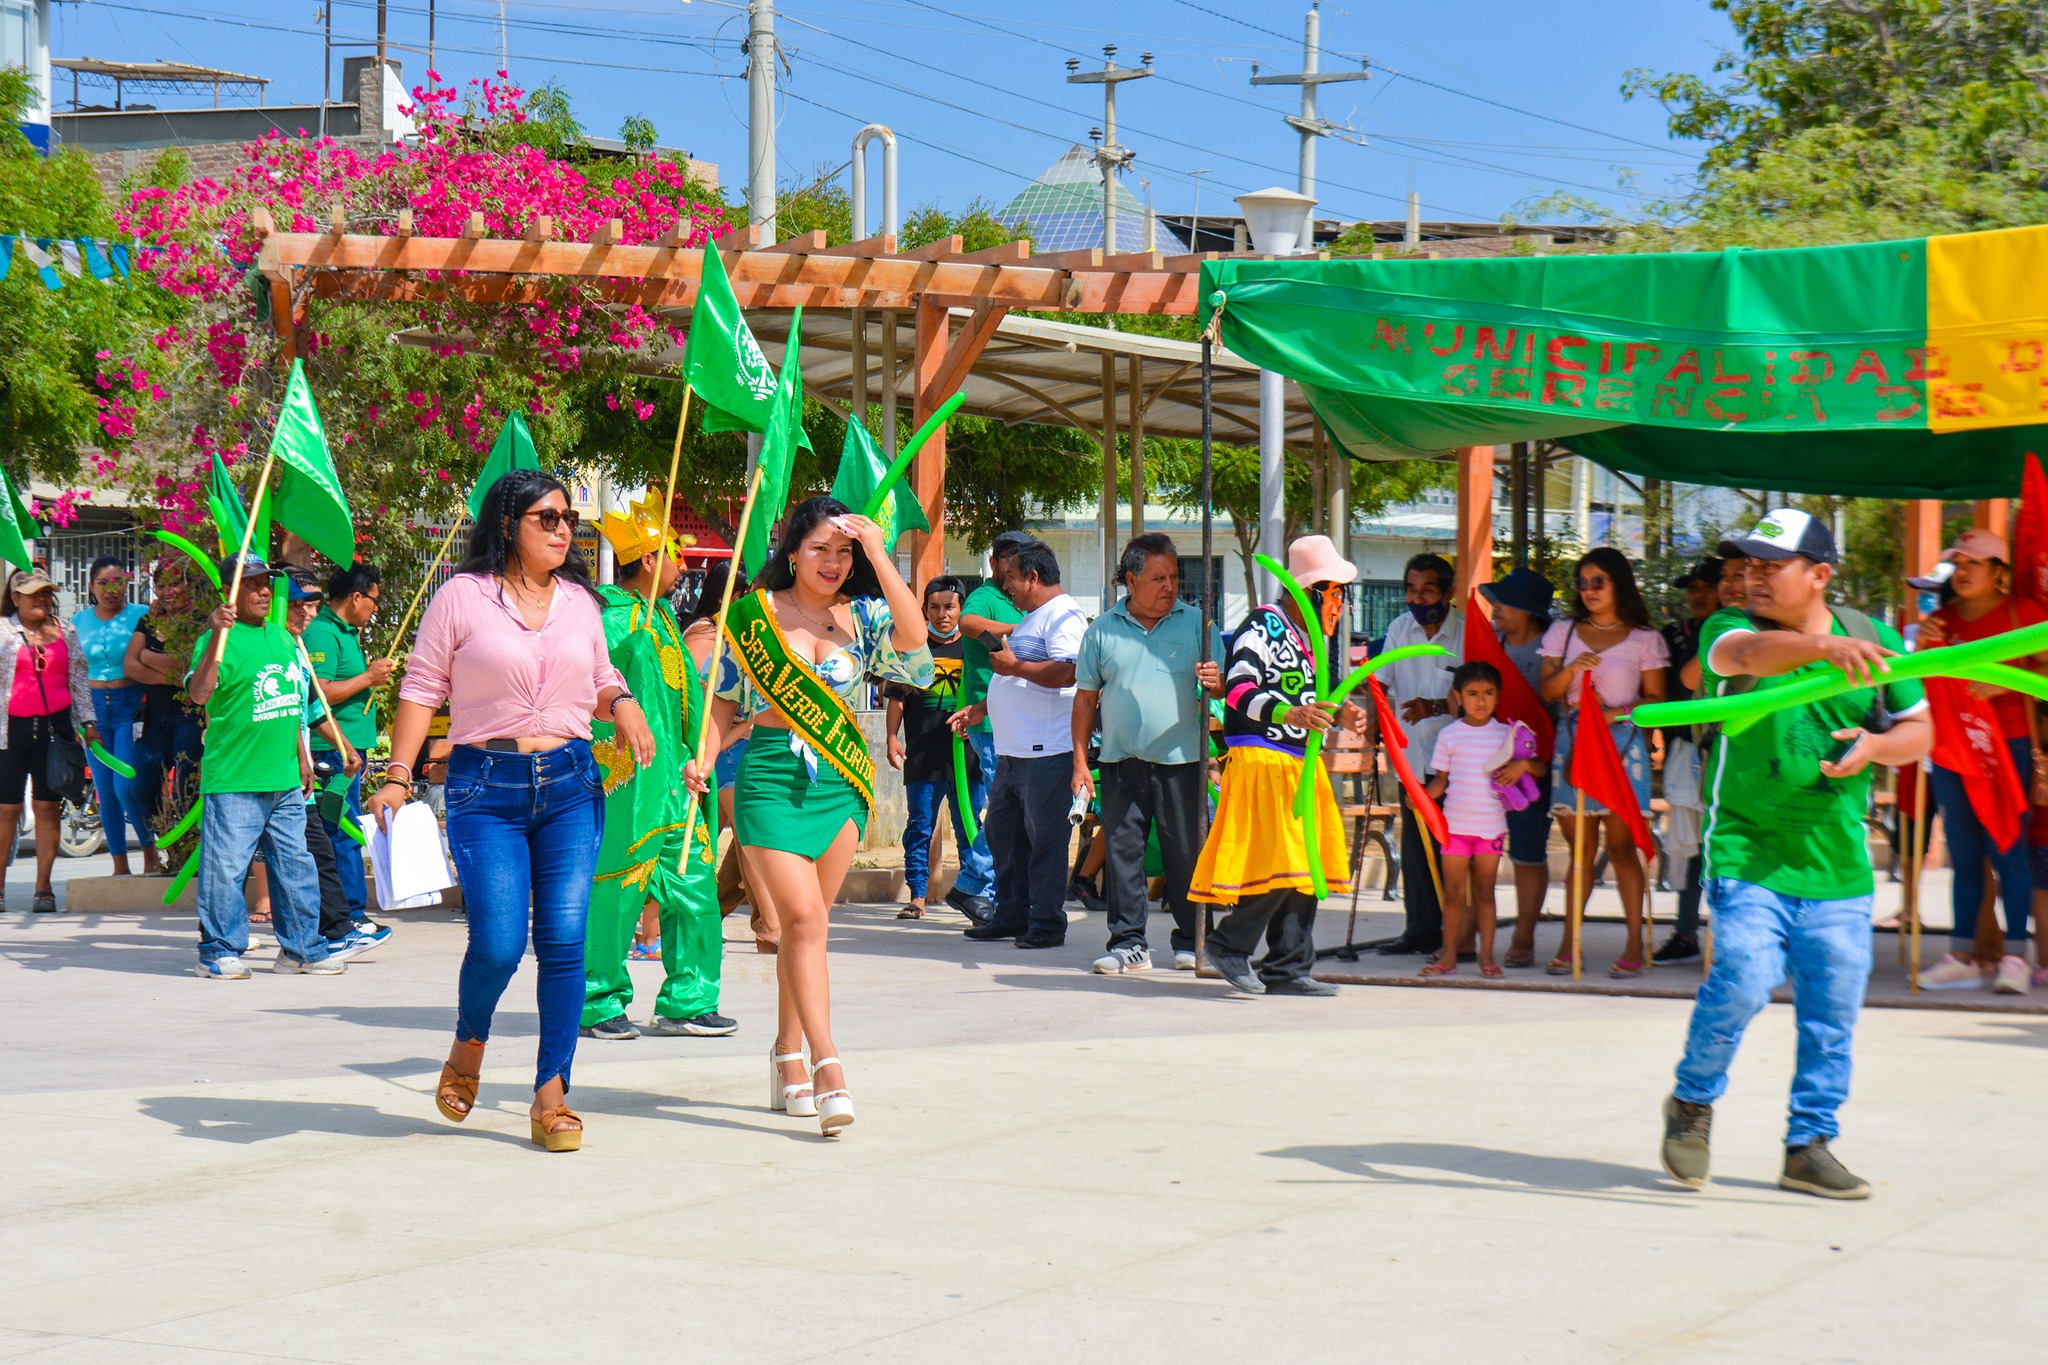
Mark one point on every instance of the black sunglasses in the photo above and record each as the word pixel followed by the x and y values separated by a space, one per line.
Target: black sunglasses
pixel 551 520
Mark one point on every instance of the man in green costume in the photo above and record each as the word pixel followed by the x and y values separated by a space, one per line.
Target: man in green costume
pixel 639 864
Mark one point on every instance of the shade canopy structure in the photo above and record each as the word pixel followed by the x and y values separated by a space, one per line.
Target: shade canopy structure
pixel 1904 369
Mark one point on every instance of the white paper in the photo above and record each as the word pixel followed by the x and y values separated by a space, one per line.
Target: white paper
pixel 407 859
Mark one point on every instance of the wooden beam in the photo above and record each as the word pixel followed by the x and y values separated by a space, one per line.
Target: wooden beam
pixel 1991 514
pixel 283 323
pixel 609 233
pixel 884 245
pixel 1009 253
pixel 1475 519
pixel 934 251
pixel 542 228
pixel 1923 545
pixel 928 470
pixel 953 369
pixel 404 228
pixel 472 230
pixel 801 244
pixel 337 221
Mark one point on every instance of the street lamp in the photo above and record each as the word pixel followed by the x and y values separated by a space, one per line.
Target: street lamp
pixel 1277 221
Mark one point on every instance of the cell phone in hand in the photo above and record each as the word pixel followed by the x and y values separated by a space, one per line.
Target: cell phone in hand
pixel 993 642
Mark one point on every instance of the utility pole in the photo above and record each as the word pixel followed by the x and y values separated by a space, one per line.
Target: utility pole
pixel 1109 156
pixel 1308 123
pixel 761 116
pixel 1195 233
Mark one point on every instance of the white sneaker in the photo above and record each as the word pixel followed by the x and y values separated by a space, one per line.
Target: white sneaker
pixel 1129 959
pixel 1953 973
pixel 223 969
pixel 2014 976
pixel 1184 961
pixel 287 965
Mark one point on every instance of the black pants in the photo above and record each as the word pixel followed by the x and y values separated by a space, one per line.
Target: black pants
pixel 1287 918
pixel 1687 924
pixel 1138 796
pixel 1418 889
pixel 25 762
pixel 334 917
pixel 1028 834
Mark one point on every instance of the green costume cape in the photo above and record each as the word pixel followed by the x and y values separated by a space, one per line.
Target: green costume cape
pixel 644 813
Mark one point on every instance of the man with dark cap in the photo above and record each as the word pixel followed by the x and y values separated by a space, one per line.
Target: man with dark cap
pixel 1702 589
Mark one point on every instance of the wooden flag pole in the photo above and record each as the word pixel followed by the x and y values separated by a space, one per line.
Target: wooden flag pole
pixel 668 512
pixel 220 646
pixel 718 641
pixel 1579 870
pixel 405 621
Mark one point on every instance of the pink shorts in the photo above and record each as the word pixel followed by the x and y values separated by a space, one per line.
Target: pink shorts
pixel 1472 846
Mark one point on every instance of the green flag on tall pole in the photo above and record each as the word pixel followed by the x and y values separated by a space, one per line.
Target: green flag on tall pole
pixel 16 526
pixel 513 450
pixel 230 516
pixel 309 502
pixel 778 449
pixel 722 362
pixel 862 468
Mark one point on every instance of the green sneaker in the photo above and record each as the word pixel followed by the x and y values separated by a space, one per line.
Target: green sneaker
pixel 1813 1169
pixel 1686 1127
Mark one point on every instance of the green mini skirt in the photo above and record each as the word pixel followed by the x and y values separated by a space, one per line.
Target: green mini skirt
pixel 776 804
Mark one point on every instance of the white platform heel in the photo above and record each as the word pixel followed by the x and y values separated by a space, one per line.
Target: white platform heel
pixel 794 1099
pixel 834 1108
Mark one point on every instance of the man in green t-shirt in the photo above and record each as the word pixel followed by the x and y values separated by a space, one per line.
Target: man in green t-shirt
pixel 1788 874
pixel 348 680
pixel 254 778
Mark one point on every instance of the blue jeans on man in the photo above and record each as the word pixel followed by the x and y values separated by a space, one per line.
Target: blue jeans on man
pixel 233 828
pixel 1761 939
pixel 977 866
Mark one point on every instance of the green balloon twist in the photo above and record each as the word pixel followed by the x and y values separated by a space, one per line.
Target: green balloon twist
pixel 1305 808
pixel 197 555
pixel 972 826
pixel 114 765
pixel 1737 713
pixel 185 823
pixel 183 879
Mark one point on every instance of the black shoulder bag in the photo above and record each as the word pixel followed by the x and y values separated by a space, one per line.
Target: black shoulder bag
pixel 64 772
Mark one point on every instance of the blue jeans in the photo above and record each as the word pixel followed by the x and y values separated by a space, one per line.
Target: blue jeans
pixel 524 828
pixel 1968 847
pixel 232 829
pixel 115 709
pixel 1759 936
pixel 977 867
pixel 348 854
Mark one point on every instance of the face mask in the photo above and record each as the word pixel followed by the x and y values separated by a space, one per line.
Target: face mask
pixel 1429 613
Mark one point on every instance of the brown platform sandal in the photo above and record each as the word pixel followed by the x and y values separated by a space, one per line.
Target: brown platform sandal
pixel 762 943
pixel 459 1086
pixel 553 1139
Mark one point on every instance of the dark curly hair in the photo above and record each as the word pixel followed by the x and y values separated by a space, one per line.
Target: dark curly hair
pixel 1628 598
pixel 493 545
pixel 780 571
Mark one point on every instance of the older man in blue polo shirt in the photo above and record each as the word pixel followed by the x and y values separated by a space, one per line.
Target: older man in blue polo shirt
pixel 1139 670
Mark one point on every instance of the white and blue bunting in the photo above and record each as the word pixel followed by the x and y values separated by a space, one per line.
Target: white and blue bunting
pixel 56 257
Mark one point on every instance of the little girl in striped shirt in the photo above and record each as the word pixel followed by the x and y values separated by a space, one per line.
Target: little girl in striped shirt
pixel 1469 777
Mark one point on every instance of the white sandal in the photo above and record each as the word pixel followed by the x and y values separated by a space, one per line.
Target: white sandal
pixel 795 1099
pixel 834 1108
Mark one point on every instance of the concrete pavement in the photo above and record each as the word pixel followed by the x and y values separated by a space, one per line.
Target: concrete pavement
pixel 1047 1165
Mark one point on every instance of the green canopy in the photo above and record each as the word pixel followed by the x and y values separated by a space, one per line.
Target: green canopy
pixel 1889 369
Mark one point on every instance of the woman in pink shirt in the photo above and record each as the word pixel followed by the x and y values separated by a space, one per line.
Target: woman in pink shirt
pixel 514 643
pixel 1607 635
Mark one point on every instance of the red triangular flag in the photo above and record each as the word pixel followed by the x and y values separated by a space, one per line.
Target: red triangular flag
pixel 2030 536
pixel 1596 767
pixel 1967 742
pixel 1518 700
pixel 1397 745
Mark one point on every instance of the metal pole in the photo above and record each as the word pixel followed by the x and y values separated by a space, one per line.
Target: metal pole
pixel 326 69
pixel 761 116
pixel 1107 510
pixel 1208 597
pixel 1311 32
pixel 889 383
pixel 1272 477
pixel 431 5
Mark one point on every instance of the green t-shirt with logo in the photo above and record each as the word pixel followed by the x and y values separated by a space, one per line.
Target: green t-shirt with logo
pixel 336 650
pixel 990 601
pixel 254 716
pixel 1773 819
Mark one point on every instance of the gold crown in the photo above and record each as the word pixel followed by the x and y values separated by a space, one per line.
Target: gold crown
pixel 641 530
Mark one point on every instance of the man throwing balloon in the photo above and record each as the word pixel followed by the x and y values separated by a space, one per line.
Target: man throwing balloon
pixel 1788 875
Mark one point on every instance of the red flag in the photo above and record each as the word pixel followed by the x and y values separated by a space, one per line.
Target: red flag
pixel 1596 767
pixel 1967 741
pixel 1518 700
pixel 2030 536
pixel 1397 743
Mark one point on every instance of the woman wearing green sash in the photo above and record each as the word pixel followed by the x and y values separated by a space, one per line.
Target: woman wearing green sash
pixel 829 611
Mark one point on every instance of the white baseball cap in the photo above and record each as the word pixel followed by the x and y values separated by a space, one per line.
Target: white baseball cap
pixel 1787 533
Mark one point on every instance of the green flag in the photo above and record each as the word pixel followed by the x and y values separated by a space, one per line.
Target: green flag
pixel 861 468
pixel 15 525
pixel 512 450
pixel 721 360
pixel 231 518
pixel 778 449
pixel 309 501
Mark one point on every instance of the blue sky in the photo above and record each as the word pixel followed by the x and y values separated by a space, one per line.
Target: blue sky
pixel 1478 106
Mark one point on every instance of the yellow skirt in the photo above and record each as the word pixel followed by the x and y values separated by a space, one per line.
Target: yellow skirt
pixel 1255 843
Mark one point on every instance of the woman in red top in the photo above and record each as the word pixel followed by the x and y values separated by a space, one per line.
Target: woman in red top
pixel 1977 603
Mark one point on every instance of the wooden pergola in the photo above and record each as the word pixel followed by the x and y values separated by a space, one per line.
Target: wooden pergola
pixel 957 301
